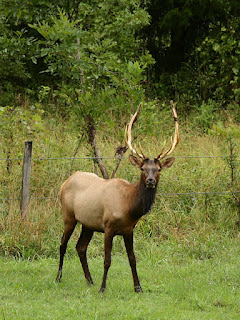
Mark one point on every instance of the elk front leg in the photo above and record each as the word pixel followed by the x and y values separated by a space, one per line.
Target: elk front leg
pixel 81 247
pixel 107 261
pixel 128 240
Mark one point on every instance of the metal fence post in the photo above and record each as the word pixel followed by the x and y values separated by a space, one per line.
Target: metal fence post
pixel 25 193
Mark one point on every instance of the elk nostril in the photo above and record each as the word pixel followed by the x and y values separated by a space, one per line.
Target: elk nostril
pixel 150 182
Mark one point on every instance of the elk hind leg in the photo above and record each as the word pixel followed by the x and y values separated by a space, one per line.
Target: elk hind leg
pixel 107 261
pixel 68 230
pixel 81 247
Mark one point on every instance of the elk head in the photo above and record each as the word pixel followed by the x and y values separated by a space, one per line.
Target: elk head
pixel 151 168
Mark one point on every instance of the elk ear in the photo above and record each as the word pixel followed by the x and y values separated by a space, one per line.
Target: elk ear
pixel 135 161
pixel 167 163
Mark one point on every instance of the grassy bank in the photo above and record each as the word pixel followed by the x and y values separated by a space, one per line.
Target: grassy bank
pixel 194 208
pixel 187 247
pixel 176 286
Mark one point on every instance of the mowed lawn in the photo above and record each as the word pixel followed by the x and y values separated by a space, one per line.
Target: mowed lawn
pixel 176 286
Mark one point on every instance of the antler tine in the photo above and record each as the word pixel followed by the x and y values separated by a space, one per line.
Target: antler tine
pixel 175 139
pixel 141 149
pixel 128 133
pixel 163 148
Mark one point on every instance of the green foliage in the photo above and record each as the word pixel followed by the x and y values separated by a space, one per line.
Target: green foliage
pixel 16 53
pixel 59 49
pixel 13 48
pixel 196 48
pixel 219 129
pixel 16 122
pixel 90 45
pixel 218 59
pixel 176 27
pixel 211 71
pixel 84 45
pixel 97 64
pixel 206 115
pixel 89 53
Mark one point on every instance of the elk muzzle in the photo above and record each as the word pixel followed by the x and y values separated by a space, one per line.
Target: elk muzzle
pixel 150 183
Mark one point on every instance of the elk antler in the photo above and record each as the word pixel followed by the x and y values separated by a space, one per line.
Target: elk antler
pixel 128 133
pixel 175 139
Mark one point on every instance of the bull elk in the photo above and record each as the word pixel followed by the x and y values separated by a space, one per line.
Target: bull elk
pixel 111 206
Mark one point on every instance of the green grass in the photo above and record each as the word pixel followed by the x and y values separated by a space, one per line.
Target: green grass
pixel 188 247
pixel 176 286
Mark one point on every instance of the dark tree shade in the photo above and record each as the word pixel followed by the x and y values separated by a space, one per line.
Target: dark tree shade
pixel 178 25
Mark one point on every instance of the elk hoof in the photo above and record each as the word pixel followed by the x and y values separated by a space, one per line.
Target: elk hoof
pixel 138 289
pixel 59 276
pixel 90 282
pixel 102 290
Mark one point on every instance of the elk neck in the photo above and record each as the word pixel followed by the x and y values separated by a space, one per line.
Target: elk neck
pixel 142 200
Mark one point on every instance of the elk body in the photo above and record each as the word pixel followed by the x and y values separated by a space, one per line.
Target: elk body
pixel 111 206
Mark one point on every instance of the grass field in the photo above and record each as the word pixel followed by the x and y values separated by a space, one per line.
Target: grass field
pixel 176 286
pixel 187 248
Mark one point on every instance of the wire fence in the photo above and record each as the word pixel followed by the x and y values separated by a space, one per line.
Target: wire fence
pixel 166 194
pixel 194 193
pixel 111 158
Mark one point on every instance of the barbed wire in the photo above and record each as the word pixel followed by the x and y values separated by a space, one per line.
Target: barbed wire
pixel 196 193
pixel 190 193
pixel 111 158
pixel 158 194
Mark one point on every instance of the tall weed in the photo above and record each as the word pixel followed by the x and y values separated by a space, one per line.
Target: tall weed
pixel 190 208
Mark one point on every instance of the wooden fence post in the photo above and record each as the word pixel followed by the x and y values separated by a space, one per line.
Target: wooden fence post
pixel 25 193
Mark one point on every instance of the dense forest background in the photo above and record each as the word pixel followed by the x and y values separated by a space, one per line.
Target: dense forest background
pixel 72 52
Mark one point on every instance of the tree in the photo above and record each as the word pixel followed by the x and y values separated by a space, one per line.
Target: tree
pixel 177 26
pixel 96 59
pixel 183 37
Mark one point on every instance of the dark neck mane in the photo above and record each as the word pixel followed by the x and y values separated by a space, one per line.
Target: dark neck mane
pixel 144 200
